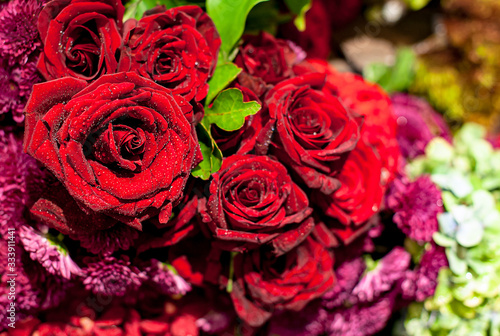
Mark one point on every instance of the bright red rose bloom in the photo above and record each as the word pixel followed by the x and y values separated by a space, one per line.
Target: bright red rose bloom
pixel 263 285
pixel 368 100
pixel 253 202
pixel 81 38
pixel 177 48
pixel 313 130
pixel 359 196
pixel 121 146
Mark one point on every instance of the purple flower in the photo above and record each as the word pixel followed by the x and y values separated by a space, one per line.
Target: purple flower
pixel 384 276
pixel 18 30
pixel 106 242
pixel 417 123
pixel 111 276
pixel 348 274
pixel 421 283
pixel 416 206
pixel 21 182
pixel 360 320
pixel 49 254
pixel 165 280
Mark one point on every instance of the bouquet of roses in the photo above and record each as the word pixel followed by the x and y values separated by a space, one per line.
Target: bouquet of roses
pixel 164 174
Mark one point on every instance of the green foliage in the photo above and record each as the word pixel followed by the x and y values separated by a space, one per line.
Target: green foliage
pixel 224 74
pixel 212 156
pixel 417 4
pixel 229 17
pixel 467 298
pixel 299 8
pixel 394 78
pixel 229 111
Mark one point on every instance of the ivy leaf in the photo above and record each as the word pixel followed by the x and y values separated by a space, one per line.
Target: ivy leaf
pixel 212 156
pixel 229 111
pixel 229 17
pixel 299 7
pixel 223 75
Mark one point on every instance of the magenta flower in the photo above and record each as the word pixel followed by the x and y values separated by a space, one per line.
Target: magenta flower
pixel 421 283
pixel 53 257
pixel 348 274
pixel 111 276
pixel 18 30
pixel 418 124
pixel 415 206
pixel 166 280
pixel 384 276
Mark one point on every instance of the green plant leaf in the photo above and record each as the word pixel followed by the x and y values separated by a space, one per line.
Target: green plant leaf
pixel 224 74
pixel 136 8
pixel 417 4
pixel 394 78
pixel 299 8
pixel 212 156
pixel 229 111
pixel 229 17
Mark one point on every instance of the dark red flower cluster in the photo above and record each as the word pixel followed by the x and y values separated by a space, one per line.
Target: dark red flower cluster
pixel 115 124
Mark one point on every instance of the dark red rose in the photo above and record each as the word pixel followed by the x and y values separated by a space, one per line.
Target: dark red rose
pixel 177 48
pixel 241 141
pixel 359 196
pixel 81 38
pixel 267 59
pixel 253 202
pixel 313 130
pixel 121 146
pixel 264 285
pixel 370 101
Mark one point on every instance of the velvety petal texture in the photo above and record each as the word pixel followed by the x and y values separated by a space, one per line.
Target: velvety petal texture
pixel 121 146
pixel 309 130
pixel 81 38
pixel 253 202
pixel 177 48
pixel 264 284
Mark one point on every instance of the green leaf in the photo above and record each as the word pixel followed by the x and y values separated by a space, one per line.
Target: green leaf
pixel 299 7
pixel 136 8
pixel 417 4
pixel 394 78
pixel 229 111
pixel 229 17
pixel 224 74
pixel 443 240
pixel 212 156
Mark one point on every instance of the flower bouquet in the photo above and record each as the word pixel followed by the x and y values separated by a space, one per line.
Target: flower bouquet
pixel 174 168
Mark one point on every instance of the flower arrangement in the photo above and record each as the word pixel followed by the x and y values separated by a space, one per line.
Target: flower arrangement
pixel 165 172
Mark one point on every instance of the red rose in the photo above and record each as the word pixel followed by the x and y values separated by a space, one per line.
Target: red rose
pixel 359 196
pixel 121 146
pixel 253 201
pixel 368 100
pixel 263 285
pixel 314 132
pixel 177 48
pixel 266 59
pixel 81 38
